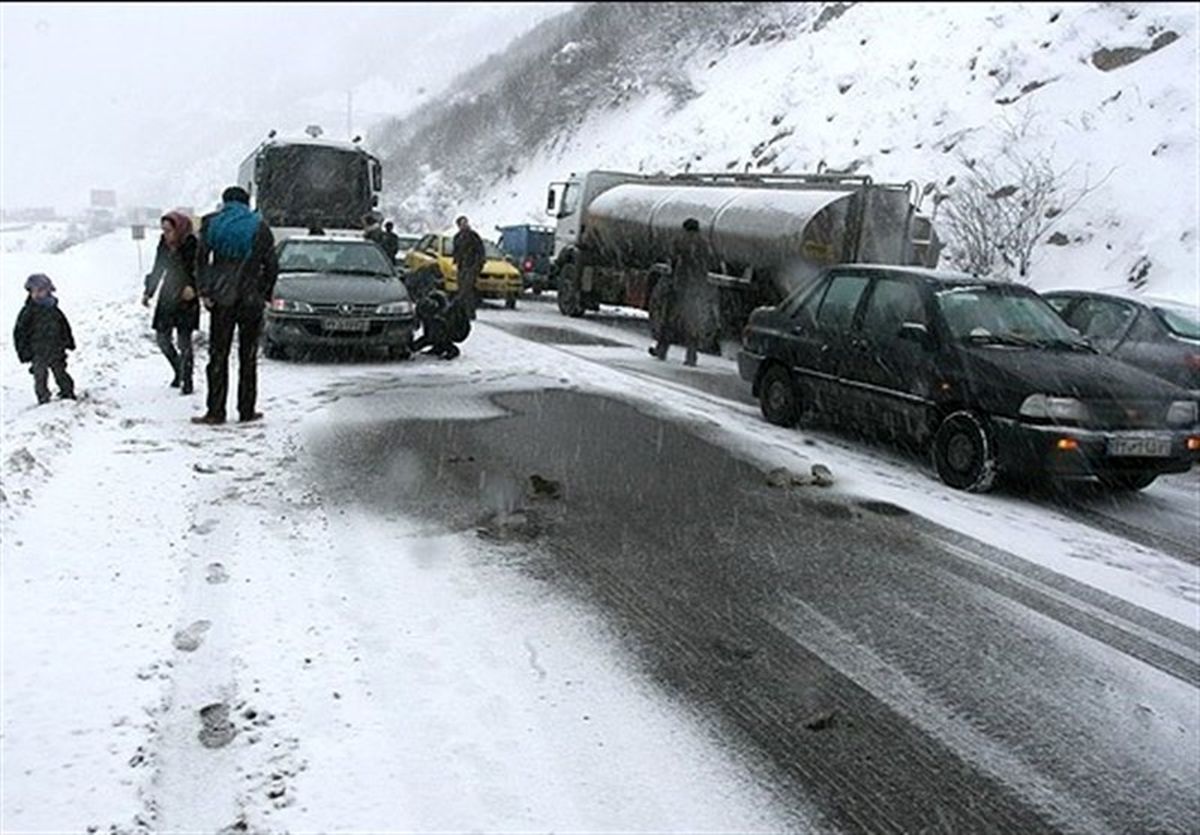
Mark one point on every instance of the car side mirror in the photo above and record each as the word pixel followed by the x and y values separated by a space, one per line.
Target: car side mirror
pixel 916 332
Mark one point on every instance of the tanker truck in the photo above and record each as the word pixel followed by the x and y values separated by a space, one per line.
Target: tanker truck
pixel 768 234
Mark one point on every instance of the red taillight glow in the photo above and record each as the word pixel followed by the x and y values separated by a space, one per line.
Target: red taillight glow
pixel 1066 444
pixel 1193 443
pixel 528 265
pixel 1193 361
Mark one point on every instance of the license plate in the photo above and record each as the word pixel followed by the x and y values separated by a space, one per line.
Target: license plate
pixel 1139 447
pixel 356 325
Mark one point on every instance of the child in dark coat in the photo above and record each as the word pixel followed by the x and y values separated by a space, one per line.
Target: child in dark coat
pixel 42 336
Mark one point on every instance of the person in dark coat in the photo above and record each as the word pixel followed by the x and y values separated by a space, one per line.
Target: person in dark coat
pixel 391 241
pixel 236 270
pixel 42 337
pixel 177 313
pixel 373 229
pixel 443 321
pixel 469 256
pixel 687 306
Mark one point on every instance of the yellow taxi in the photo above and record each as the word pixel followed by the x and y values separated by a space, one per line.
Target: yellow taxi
pixel 498 280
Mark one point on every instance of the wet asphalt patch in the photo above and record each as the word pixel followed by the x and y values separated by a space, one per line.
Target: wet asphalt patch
pixel 698 561
pixel 557 336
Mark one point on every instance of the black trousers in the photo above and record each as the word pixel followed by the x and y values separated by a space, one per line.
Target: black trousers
pixel 41 369
pixel 181 360
pixel 248 319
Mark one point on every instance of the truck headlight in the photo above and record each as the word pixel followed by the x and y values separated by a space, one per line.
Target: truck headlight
pixel 395 309
pixel 290 306
pixel 1182 413
pixel 1044 407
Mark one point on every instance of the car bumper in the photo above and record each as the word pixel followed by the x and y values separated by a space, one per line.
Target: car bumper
pixel 493 287
pixel 749 364
pixel 1068 452
pixel 380 332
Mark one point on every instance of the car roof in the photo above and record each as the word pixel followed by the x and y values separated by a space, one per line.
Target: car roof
pixel 344 239
pixel 1145 301
pixel 940 276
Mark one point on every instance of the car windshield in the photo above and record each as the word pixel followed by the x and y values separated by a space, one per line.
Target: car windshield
pixel 987 314
pixel 1180 320
pixel 347 257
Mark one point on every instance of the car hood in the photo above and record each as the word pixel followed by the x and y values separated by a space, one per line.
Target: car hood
pixel 1020 372
pixel 324 288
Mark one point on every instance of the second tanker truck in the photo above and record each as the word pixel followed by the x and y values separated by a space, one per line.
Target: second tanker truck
pixel 768 234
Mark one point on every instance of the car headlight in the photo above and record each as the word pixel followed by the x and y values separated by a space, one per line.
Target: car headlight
pixel 1182 413
pixel 395 309
pixel 1044 407
pixel 290 306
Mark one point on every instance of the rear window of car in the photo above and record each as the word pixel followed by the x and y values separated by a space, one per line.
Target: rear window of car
pixel 841 300
pixel 1182 321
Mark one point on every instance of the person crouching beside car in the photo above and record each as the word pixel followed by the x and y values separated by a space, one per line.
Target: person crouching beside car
pixel 177 313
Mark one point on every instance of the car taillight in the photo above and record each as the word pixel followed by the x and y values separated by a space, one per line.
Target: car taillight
pixel 528 265
pixel 1193 362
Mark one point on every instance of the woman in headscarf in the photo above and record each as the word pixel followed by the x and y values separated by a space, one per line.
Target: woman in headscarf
pixel 178 311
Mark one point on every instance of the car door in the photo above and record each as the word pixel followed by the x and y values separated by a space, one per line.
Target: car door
pixel 888 367
pixel 422 254
pixel 821 347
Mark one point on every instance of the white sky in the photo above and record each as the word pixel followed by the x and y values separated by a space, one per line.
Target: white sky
pixel 110 95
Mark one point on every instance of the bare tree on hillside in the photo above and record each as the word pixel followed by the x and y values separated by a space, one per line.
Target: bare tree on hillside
pixel 1002 207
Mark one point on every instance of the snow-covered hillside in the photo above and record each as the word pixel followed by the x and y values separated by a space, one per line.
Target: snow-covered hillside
pixel 910 92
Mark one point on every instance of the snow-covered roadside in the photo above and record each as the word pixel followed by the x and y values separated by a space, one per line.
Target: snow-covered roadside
pixel 375 675
pixel 372 676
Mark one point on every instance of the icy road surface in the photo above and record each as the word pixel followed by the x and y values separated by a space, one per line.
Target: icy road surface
pixel 363 615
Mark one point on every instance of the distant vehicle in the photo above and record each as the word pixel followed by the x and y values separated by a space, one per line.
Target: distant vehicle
pixel 531 250
pixel 981 372
pixel 499 279
pixel 337 292
pixel 303 185
pixel 768 234
pixel 1158 336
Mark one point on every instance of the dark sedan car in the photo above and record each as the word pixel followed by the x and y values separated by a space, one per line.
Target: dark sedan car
pixel 982 372
pixel 1161 337
pixel 337 293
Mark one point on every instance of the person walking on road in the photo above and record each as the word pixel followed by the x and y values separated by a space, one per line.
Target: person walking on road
pixel 42 337
pixel 235 276
pixel 685 307
pixel 177 312
pixel 469 256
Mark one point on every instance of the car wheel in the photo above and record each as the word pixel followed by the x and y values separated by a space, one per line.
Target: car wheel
pixel 570 301
pixel 963 453
pixel 272 351
pixel 399 352
pixel 510 302
pixel 779 397
pixel 1127 482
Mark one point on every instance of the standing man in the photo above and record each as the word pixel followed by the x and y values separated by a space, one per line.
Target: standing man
pixel 236 269
pixel 687 306
pixel 373 229
pixel 391 241
pixel 468 261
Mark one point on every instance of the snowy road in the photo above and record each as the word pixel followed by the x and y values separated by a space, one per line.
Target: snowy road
pixel 361 615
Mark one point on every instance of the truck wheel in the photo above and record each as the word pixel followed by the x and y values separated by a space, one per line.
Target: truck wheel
pixel 779 397
pixel 510 302
pixel 1127 482
pixel 963 453
pixel 570 301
